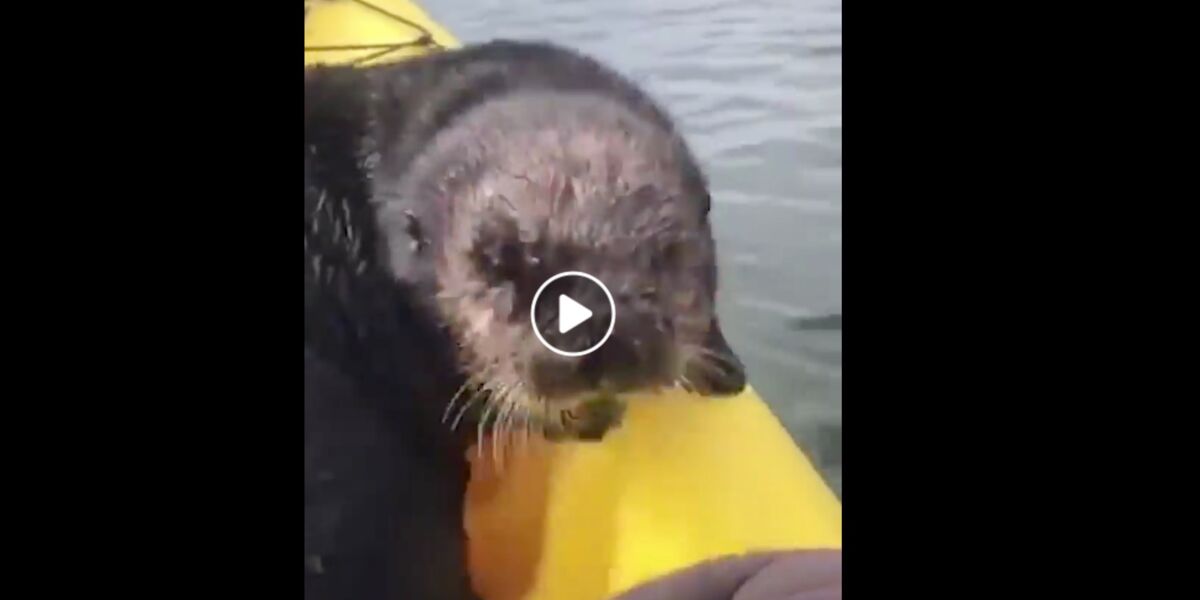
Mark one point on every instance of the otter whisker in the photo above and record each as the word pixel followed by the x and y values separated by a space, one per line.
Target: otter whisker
pixel 479 383
pixel 519 405
pixel 487 411
pixel 687 384
pixel 466 405
pixel 519 410
pixel 525 431
pixel 707 366
pixel 714 363
pixel 722 357
pixel 710 369
pixel 461 389
pixel 320 202
pixel 498 428
pixel 509 423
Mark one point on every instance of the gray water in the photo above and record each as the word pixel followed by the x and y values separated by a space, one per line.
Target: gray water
pixel 756 87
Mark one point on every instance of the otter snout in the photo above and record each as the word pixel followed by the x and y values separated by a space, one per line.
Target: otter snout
pixel 632 359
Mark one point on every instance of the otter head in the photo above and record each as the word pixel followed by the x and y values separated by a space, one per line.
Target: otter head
pixel 528 186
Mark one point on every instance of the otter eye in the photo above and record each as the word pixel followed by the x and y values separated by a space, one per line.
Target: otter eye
pixel 497 252
pixel 668 257
pixel 505 263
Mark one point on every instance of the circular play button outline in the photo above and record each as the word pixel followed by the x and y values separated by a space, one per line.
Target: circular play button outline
pixel 612 321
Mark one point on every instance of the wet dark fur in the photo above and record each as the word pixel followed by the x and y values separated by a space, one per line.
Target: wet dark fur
pixel 384 477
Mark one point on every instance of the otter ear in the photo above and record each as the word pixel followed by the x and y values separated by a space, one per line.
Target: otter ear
pixel 719 371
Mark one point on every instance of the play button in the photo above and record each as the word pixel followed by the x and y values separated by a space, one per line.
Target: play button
pixel 573 313
pixel 570 313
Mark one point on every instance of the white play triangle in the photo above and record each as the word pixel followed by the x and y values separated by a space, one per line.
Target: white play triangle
pixel 570 313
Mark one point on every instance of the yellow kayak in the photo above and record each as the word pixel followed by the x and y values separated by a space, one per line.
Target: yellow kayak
pixel 683 480
pixel 369 32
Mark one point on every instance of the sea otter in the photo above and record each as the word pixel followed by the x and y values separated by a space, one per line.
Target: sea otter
pixel 439 194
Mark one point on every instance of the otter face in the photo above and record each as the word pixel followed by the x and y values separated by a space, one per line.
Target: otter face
pixel 578 185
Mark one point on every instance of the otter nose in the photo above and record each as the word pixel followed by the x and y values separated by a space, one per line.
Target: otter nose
pixel 622 364
pixel 614 367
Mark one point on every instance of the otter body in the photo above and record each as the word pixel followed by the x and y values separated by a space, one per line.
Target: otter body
pixel 439 194
pixel 383 479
